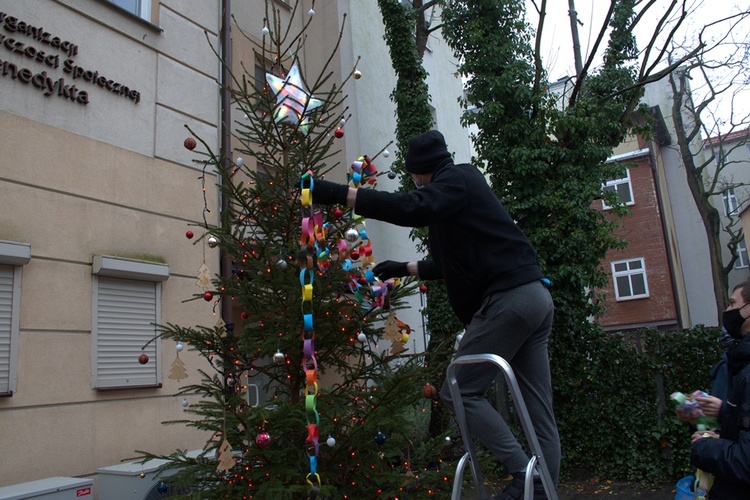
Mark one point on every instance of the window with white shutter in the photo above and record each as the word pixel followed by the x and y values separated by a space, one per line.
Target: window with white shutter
pixel 126 309
pixel 12 257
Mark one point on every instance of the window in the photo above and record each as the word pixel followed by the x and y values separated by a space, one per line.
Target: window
pixel 742 256
pixel 629 279
pixel 140 8
pixel 12 257
pixel 622 187
pixel 730 202
pixel 126 309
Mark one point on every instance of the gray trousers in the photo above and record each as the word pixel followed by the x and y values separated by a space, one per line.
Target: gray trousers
pixel 514 324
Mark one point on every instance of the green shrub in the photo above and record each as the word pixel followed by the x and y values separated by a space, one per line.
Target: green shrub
pixel 612 400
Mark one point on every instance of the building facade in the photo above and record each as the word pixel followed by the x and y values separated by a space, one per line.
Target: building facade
pixel 731 159
pixel 642 290
pixel 99 194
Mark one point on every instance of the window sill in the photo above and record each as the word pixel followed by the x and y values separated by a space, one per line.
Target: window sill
pixel 128 387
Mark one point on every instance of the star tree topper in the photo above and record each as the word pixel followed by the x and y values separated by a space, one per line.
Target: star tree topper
pixel 292 100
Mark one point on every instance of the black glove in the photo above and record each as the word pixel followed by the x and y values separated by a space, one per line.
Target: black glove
pixel 329 193
pixel 390 269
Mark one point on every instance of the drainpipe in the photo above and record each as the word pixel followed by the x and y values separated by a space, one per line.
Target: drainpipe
pixel 667 240
pixel 226 136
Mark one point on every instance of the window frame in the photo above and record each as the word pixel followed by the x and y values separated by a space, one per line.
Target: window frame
pixel 728 199
pixel 629 273
pixel 13 256
pixel 129 277
pixel 742 261
pixel 144 9
pixel 614 183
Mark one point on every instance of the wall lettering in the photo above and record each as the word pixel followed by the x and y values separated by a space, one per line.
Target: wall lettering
pixel 41 80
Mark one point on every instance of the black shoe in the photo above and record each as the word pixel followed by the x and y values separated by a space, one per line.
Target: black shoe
pixel 514 491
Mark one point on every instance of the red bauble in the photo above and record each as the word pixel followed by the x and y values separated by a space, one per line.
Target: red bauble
pixel 422 288
pixel 244 315
pixel 263 439
pixel 354 255
pixel 338 213
pixel 208 296
pixel 143 358
pixel 339 133
pixel 190 143
pixel 429 392
pixel 189 235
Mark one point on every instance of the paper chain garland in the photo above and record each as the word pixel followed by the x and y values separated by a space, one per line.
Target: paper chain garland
pixel 355 246
pixel 313 231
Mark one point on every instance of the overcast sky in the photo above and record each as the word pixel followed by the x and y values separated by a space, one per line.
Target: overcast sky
pixel 557 45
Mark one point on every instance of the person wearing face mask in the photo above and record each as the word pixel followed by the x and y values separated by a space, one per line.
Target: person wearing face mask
pixel 494 283
pixel 711 405
pixel 728 456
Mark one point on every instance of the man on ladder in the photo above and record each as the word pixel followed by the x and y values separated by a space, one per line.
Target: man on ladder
pixel 494 284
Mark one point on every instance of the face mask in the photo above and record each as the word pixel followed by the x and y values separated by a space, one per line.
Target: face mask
pixel 733 321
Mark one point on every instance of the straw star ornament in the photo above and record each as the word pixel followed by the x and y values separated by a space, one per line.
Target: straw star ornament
pixel 292 100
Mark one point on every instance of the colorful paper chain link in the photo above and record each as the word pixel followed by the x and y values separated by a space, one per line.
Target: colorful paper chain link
pixel 362 172
pixel 314 248
pixel 313 238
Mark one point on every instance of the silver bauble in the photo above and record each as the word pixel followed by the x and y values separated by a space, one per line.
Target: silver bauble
pixel 213 241
pixel 278 357
pixel 351 235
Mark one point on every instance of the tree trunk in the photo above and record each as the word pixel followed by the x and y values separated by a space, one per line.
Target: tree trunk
pixel 709 215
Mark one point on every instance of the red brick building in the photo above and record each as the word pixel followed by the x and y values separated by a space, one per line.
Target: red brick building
pixel 641 289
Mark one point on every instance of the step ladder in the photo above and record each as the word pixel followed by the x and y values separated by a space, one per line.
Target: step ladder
pixel 537 460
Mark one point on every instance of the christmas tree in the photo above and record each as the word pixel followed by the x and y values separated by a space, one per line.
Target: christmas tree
pixel 348 415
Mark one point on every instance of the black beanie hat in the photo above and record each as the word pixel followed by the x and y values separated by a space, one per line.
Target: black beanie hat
pixel 426 152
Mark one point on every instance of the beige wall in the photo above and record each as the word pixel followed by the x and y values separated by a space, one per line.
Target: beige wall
pixel 110 177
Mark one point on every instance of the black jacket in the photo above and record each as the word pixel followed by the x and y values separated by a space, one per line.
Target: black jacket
pixel 728 458
pixel 475 245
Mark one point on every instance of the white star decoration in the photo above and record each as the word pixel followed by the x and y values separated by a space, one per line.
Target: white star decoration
pixel 292 100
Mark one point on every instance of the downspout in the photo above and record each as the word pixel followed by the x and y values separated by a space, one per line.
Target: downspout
pixel 667 239
pixel 226 137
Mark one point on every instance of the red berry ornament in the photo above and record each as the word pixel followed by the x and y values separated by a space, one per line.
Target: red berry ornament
pixel 338 133
pixel 189 235
pixel 338 213
pixel 429 391
pixel 143 358
pixel 422 288
pixel 208 296
pixel 244 315
pixel 190 143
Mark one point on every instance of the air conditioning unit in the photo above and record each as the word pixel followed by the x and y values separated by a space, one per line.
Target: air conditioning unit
pixel 136 480
pixel 51 488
